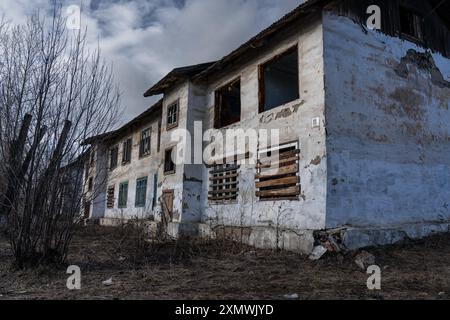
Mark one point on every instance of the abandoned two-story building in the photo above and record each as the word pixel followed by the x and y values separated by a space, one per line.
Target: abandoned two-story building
pixel 364 134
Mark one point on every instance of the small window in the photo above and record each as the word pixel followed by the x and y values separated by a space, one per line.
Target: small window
pixel 126 152
pixel 123 195
pixel 172 116
pixel 113 157
pixel 141 192
pixel 90 184
pixel 169 165
pixel 110 198
pixel 228 105
pixel 279 80
pixel 223 183
pixel 144 146
pixel 92 158
pixel 411 24
pixel 277 173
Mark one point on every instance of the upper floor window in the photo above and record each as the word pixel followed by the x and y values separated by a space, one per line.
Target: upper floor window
pixel 279 80
pixel 113 157
pixel 126 151
pixel 90 184
pixel 169 165
pixel 411 24
pixel 92 158
pixel 227 108
pixel 144 146
pixel 172 115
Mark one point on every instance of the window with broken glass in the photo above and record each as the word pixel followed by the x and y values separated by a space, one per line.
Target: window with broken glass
pixel 110 197
pixel 126 152
pixel 113 157
pixel 172 116
pixel 411 24
pixel 144 146
pixel 277 173
pixel 224 184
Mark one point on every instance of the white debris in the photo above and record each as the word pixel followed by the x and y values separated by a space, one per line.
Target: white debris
pixel 121 259
pixel 317 253
pixel 108 282
pixel 291 296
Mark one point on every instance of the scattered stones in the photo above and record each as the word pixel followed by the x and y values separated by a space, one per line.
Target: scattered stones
pixel 317 253
pixel 364 259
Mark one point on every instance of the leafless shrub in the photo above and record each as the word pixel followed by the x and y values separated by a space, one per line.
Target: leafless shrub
pixel 54 94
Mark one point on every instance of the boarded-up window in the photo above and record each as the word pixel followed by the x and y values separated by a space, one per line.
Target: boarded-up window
pixel 126 152
pixel 411 24
pixel 227 108
pixel 172 116
pixel 144 146
pixel 279 80
pixel 123 195
pixel 277 173
pixel 110 198
pixel 224 185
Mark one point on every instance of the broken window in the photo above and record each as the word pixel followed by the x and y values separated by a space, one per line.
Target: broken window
pixel 223 183
pixel 169 165
pixel 141 192
pixel 90 184
pixel 411 24
pixel 228 105
pixel 126 152
pixel 113 157
pixel 144 146
pixel 277 173
pixel 279 80
pixel 172 116
pixel 110 198
pixel 123 195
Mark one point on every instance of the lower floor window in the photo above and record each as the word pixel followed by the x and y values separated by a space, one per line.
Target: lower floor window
pixel 141 192
pixel 223 183
pixel 123 194
pixel 110 198
pixel 277 173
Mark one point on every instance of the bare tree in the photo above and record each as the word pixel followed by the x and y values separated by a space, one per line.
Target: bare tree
pixel 54 93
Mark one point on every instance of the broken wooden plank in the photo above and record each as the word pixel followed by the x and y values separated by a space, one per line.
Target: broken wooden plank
pixel 280 156
pixel 285 192
pixel 279 163
pixel 269 174
pixel 278 182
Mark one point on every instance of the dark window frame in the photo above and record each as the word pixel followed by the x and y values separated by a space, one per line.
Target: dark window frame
pixel 90 184
pixel 418 29
pixel 122 186
pixel 141 193
pixel 110 197
pixel 261 79
pixel 114 151
pixel 145 143
pixel 174 169
pixel 127 150
pixel 171 125
pixel 218 121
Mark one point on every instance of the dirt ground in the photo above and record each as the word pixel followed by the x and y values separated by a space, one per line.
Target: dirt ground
pixel 223 270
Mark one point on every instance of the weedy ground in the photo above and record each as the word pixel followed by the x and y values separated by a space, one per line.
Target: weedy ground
pixel 199 269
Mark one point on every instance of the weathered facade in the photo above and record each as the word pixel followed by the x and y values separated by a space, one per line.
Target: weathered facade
pixel 363 121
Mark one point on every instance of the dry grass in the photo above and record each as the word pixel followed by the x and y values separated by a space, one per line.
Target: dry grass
pixel 194 269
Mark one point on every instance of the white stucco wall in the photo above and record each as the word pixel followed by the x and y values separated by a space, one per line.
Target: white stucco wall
pixel 294 120
pixel 388 136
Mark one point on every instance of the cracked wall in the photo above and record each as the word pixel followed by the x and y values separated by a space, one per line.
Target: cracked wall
pixel 388 132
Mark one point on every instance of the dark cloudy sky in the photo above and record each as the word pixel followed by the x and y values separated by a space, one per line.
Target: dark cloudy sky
pixel 145 39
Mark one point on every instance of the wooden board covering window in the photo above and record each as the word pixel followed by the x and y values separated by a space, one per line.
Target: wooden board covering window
pixel 277 175
pixel 110 198
pixel 223 182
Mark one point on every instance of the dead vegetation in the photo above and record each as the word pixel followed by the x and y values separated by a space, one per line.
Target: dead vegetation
pixel 220 269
